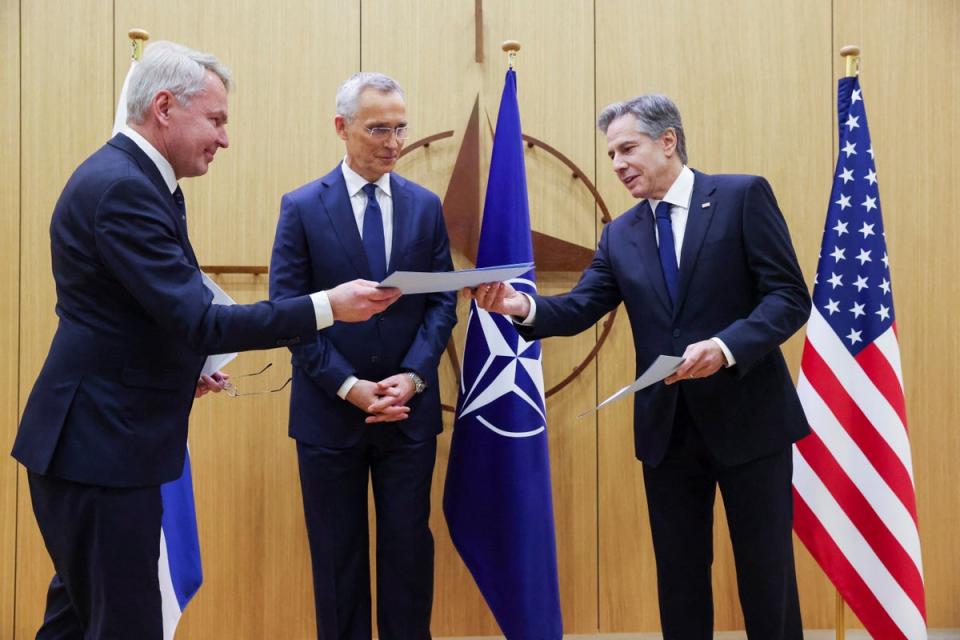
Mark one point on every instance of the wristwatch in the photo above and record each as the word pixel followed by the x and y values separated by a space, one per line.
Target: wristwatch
pixel 418 383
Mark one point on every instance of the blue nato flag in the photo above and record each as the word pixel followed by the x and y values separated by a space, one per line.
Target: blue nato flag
pixel 497 499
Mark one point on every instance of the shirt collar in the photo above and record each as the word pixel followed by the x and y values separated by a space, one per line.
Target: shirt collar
pixel 165 168
pixel 356 182
pixel 680 192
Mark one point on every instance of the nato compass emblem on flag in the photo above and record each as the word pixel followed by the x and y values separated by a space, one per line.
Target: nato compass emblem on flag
pixel 502 382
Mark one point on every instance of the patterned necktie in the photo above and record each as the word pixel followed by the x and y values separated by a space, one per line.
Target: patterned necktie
pixel 373 242
pixel 181 206
pixel 668 253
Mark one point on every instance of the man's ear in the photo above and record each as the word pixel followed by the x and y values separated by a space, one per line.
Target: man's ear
pixel 669 141
pixel 161 105
pixel 340 124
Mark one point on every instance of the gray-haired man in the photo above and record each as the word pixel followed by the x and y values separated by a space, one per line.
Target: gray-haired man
pixel 706 269
pixel 106 422
pixel 365 404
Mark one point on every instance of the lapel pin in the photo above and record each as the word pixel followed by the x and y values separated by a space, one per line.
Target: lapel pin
pixel 705 205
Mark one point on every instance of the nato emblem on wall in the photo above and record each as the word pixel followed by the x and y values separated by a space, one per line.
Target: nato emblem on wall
pixel 462 208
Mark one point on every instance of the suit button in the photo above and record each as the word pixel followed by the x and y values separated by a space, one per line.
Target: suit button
pixel 374 359
pixel 676 333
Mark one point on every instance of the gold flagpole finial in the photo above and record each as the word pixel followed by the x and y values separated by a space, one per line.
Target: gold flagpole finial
pixel 137 38
pixel 511 47
pixel 851 53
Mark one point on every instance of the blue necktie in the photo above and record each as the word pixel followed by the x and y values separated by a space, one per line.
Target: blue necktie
pixel 373 242
pixel 181 206
pixel 668 253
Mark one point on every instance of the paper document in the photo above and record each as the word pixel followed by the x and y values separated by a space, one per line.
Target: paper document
pixel 216 362
pixel 662 367
pixel 426 282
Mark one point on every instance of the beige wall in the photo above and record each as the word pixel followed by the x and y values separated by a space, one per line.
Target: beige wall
pixel 10 311
pixel 756 83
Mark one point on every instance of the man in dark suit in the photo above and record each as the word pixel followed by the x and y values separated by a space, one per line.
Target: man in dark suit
pixel 366 399
pixel 706 269
pixel 106 422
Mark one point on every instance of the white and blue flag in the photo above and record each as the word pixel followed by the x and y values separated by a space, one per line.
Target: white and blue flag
pixel 497 499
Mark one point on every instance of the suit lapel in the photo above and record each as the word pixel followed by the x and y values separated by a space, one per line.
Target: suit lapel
pixel 646 242
pixel 151 171
pixel 402 225
pixel 336 203
pixel 699 217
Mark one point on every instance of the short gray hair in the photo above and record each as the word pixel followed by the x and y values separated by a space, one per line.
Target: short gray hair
pixel 655 114
pixel 348 95
pixel 168 66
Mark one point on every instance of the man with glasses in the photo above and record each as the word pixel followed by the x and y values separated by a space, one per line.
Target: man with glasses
pixel 106 422
pixel 365 399
pixel 705 268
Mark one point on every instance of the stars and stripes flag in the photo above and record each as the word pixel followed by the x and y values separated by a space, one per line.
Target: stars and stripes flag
pixel 497 499
pixel 179 571
pixel 854 499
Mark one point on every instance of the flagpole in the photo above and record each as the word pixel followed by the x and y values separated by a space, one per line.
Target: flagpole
pixel 851 54
pixel 511 47
pixel 137 38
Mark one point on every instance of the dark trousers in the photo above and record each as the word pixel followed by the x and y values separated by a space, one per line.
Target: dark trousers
pixel 105 547
pixel 335 484
pixel 757 498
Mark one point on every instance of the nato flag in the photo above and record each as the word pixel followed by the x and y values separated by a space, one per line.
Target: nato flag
pixel 497 498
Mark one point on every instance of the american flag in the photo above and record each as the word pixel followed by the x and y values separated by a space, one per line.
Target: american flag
pixel 854 502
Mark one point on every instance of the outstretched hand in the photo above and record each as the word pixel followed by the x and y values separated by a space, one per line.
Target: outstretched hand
pixel 500 297
pixel 359 300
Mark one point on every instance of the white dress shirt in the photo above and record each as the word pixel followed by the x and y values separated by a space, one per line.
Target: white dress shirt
pixel 322 310
pixel 678 196
pixel 358 200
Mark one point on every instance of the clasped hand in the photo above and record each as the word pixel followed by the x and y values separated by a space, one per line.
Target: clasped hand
pixel 385 401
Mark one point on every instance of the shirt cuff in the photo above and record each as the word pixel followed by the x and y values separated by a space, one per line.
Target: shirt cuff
pixel 346 386
pixel 322 309
pixel 726 352
pixel 533 312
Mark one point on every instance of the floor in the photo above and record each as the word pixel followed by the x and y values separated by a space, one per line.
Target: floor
pixel 818 634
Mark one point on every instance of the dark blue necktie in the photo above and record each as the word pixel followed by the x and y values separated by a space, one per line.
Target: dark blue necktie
pixel 668 253
pixel 181 206
pixel 373 242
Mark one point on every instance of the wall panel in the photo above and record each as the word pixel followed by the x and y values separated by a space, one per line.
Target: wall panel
pixel 10 293
pixel 911 87
pixel 287 62
pixel 752 103
pixel 67 111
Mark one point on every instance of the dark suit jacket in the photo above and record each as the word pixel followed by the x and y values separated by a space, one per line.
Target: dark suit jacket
pixel 739 281
pixel 318 245
pixel 110 406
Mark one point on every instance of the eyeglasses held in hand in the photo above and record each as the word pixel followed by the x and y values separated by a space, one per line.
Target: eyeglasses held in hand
pixel 233 392
pixel 382 133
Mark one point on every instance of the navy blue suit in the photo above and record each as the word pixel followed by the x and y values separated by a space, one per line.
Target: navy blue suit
pixel 106 422
pixel 318 244
pixel 739 281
